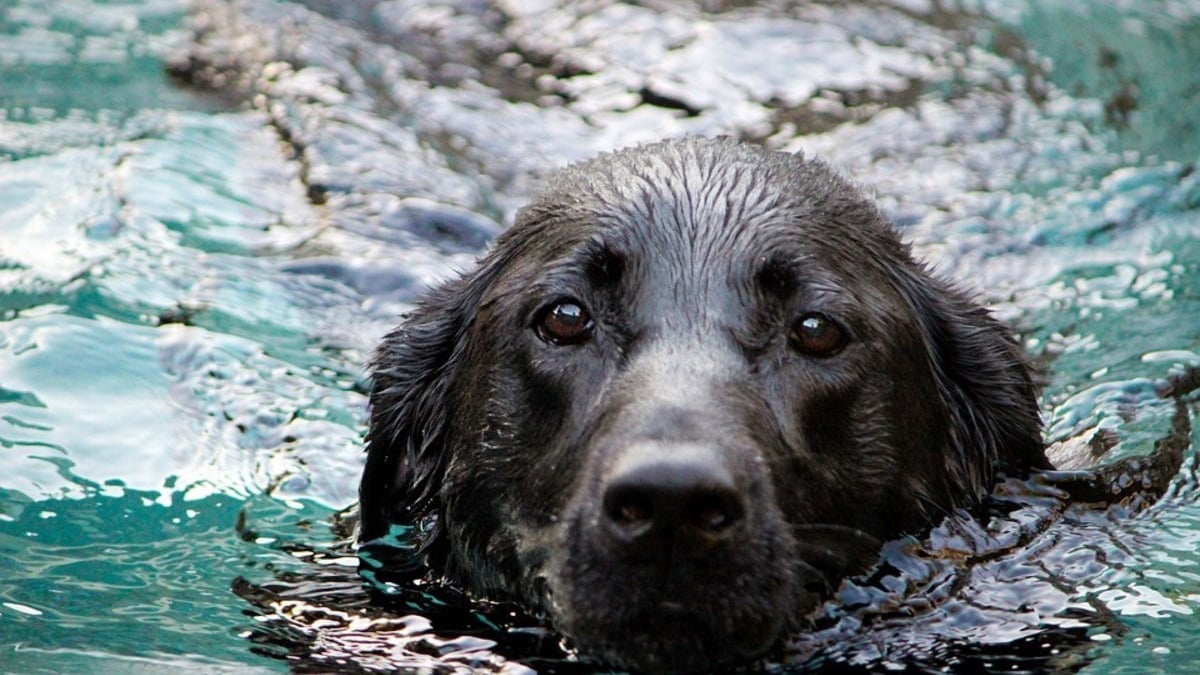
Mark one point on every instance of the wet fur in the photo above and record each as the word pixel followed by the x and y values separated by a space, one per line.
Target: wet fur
pixel 693 256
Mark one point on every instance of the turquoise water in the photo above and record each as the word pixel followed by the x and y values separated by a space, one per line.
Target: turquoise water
pixel 190 282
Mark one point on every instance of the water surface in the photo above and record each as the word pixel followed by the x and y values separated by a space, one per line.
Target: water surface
pixel 193 270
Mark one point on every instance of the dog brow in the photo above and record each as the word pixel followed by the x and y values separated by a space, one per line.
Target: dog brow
pixel 779 275
pixel 603 264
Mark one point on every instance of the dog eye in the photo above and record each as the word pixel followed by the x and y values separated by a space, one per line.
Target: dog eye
pixel 564 323
pixel 815 334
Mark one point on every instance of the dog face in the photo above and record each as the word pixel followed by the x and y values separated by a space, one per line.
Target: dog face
pixel 693 386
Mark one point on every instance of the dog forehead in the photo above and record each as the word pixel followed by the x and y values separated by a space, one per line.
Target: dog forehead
pixel 704 196
pixel 703 218
pixel 699 215
pixel 714 203
pixel 699 192
pixel 696 202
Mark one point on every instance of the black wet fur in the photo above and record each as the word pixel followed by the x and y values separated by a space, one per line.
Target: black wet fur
pixel 694 259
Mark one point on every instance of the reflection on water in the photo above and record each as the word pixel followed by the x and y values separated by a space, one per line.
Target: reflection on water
pixel 191 277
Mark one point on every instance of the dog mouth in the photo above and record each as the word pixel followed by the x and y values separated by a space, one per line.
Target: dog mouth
pixel 681 615
pixel 694 614
pixel 677 635
pixel 673 557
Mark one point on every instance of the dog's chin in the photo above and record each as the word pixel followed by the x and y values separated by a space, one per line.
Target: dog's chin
pixel 641 622
pixel 673 636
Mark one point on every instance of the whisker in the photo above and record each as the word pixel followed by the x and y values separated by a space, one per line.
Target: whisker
pixel 933 507
pixel 835 550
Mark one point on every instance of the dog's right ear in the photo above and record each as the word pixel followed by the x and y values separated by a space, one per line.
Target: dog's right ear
pixel 413 373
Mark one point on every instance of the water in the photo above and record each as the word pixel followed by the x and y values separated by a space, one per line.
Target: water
pixel 191 279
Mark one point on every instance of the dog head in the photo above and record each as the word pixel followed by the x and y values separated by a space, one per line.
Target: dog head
pixel 693 386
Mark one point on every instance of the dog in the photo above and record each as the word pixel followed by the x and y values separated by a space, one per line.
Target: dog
pixel 692 387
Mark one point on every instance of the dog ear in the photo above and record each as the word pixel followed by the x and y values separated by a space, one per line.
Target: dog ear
pixel 413 373
pixel 984 380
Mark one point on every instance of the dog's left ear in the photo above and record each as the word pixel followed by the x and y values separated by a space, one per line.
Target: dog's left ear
pixel 984 380
pixel 413 373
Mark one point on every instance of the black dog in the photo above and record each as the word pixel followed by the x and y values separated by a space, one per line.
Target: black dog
pixel 692 387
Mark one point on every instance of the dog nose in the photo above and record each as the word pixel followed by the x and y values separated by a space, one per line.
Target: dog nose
pixel 677 500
